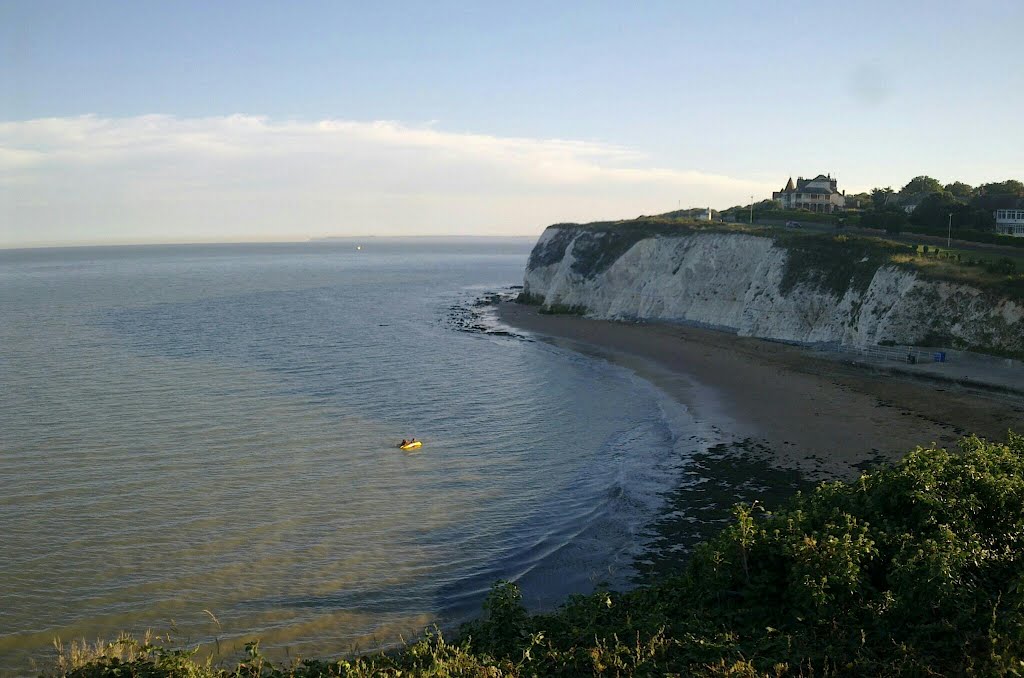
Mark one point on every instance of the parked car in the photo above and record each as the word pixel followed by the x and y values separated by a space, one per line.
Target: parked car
pixel 792 224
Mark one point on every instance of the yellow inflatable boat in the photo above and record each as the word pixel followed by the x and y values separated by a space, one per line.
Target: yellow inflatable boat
pixel 411 446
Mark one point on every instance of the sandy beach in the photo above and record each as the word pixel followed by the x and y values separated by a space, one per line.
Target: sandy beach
pixel 822 417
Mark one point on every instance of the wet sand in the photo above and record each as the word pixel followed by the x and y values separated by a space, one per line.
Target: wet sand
pixel 821 417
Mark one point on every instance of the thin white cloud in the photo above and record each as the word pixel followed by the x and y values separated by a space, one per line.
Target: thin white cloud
pixel 159 177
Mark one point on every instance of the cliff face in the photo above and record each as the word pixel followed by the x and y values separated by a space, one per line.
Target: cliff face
pixel 758 287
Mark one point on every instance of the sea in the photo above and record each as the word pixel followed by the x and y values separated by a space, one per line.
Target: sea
pixel 200 441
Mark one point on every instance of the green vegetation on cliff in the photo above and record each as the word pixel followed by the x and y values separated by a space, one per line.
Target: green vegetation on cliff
pixel 834 263
pixel 606 241
pixel 831 262
pixel 916 569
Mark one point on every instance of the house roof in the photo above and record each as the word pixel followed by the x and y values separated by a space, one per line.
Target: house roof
pixel 802 185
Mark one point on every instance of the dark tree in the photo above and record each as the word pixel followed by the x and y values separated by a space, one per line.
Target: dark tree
pixel 960 190
pixel 880 197
pixel 858 200
pixel 999 195
pixel 940 210
pixel 889 218
pixel 1010 187
pixel 922 185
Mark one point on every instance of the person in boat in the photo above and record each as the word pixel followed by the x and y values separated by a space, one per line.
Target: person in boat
pixel 403 443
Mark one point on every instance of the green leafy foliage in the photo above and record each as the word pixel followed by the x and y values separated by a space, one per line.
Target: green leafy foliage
pixel 922 184
pixel 968 210
pixel 887 217
pixel 970 235
pixel 942 209
pixel 802 216
pixel 960 190
pixel 1010 187
pixel 834 264
pixel 994 273
pixel 916 569
pixel 880 197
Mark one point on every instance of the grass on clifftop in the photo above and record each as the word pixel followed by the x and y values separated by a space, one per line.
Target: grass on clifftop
pixel 916 569
pixel 1001 275
pixel 837 263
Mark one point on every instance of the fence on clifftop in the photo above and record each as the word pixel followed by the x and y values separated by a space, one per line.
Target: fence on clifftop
pixel 902 354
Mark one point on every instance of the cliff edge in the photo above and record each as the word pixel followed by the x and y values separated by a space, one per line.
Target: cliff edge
pixel 785 286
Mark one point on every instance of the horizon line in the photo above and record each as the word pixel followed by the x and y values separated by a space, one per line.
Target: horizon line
pixel 270 241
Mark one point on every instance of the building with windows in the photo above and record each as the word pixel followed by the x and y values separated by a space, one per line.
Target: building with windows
pixel 819 194
pixel 1010 221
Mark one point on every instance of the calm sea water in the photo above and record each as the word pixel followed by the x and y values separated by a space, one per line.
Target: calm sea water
pixel 200 439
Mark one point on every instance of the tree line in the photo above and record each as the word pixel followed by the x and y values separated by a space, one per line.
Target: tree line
pixel 923 202
pixel 926 202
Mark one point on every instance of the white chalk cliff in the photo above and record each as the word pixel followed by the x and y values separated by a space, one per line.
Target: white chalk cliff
pixel 739 282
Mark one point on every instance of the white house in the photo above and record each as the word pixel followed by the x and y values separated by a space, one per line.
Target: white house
pixel 1010 222
pixel 819 194
pixel 696 213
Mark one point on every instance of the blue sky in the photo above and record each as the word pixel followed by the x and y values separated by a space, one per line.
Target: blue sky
pixel 171 121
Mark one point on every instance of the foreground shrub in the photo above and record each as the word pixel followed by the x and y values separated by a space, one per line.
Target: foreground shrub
pixel 912 570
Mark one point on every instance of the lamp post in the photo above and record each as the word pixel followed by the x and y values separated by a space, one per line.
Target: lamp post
pixel 949 230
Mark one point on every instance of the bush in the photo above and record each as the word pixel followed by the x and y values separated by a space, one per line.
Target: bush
pixel 1004 266
pixel 917 569
pixel 969 235
pixel 891 219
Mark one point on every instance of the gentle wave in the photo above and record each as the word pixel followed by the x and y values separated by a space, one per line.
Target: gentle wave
pixel 184 430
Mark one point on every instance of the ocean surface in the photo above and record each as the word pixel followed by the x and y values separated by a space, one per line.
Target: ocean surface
pixel 200 440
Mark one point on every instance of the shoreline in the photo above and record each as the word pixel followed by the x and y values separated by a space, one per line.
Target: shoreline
pixel 824 418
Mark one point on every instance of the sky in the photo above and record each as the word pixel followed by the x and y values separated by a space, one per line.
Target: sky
pixel 143 121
